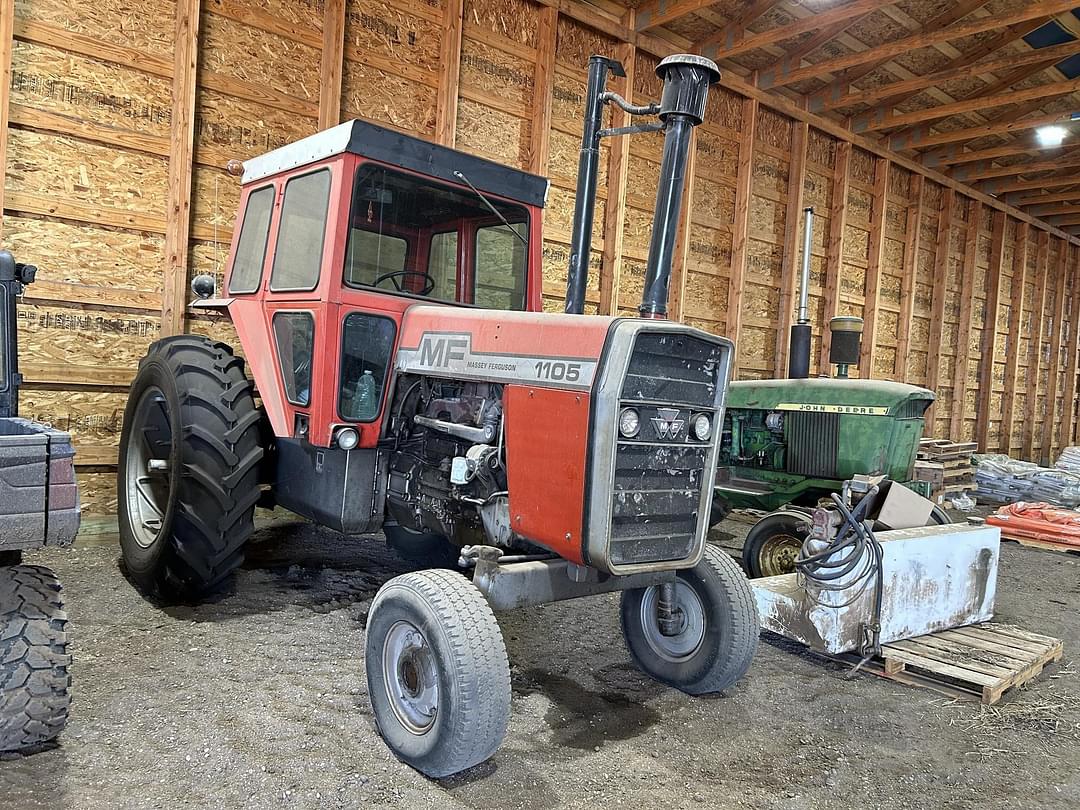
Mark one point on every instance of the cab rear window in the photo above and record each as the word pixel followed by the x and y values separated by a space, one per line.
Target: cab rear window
pixel 298 253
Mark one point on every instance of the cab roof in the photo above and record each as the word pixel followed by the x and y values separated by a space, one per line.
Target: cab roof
pixel 397 149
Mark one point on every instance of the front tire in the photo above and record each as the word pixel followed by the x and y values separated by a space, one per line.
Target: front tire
pixel 437 671
pixel 34 681
pixel 718 635
pixel 189 458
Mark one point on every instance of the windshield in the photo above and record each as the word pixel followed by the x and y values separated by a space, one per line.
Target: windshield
pixel 415 236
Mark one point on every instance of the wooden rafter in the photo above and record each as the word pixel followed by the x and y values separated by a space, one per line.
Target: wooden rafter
pixel 953 156
pixel 969 174
pixel 1054 210
pixel 654 13
pixel 1003 186
pixel 787 72
pixel 822 36
pixel 1065 219
pixel 921 136
pixel 1041 199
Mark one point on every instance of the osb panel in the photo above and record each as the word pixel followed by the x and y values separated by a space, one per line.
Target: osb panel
pixel 856 244
pixel 513 19
pixel 770 174
pixel 220 329
pixel 245 129
pixel 717 154
pixel 860 204
pixel 899 181
pixel 767 218
pixel 87 254
pixel 91 417
pixel 563 153
pixel 84 338
pixel 575 43
pixel 391 32
pixel 88 89
pixel 209 258
pixel 647 86
pixel 706 295
pixel 895 219
pixel 713 201
pixel 724 108
pixel 97 492
pixel 642 177
pixel 495 72
pixel 559 215
pixel 142 24
pixel 300 13
pixel 710 250
pixel 215 198
pixel 493 134
pixel 820 148
pixel 556 260
pixel 367 92
pixel 817 194
pixel 69 169
pixel 883 361
pixel 631 282
pixel 568 100
pixel 233 49
pixel 773 129
pixel 637 230
pixel 764 263
pixel 757 346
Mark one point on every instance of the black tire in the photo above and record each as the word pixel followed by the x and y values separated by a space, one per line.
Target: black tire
pixel 771 541
pixel 425 549
pixel 34 683
pixel 203 424
pixel 939 517
pixel 728 638
pixel 462 654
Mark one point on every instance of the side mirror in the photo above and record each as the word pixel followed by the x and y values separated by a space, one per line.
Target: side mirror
pixel 7 266
pixel 203 286
pixel 26 273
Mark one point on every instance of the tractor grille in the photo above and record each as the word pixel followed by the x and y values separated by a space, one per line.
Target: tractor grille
pixel 657 491
pixel 812 443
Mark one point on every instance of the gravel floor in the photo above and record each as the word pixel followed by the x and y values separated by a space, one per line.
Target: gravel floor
pixel 258 700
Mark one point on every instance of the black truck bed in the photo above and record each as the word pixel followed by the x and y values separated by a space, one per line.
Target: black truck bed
pixel 39 501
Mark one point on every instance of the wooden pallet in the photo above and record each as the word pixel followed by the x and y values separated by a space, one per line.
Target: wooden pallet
pixel 1045 545
pixel 942 450
pixel 982 661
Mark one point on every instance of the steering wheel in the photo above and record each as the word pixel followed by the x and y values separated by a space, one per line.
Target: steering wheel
pixel 398 276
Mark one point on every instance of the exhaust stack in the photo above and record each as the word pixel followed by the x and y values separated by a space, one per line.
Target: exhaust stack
pixel 799 345
pixel 681 108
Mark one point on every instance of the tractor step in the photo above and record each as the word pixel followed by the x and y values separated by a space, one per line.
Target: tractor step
pixel 982 661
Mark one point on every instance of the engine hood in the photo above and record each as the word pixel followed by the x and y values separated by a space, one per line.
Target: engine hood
pixel 837 395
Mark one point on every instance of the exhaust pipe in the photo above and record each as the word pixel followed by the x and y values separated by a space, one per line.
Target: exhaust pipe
pixel 799 345
pixel 681 108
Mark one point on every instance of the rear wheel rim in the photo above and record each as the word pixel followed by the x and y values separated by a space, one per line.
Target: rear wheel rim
pixel 411 677
pixel 778 554
pixel 690 633
pixel 147 472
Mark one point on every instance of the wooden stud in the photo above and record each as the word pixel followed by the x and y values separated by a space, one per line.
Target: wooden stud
pixel 988 345
pixel 1035 347
pixel 1049 424
pixel 181 148
pixel 963 339
pixel 740 229
pixel 913 234
pixel 790 73
pixel 834 254
pixel 937 306
pixel 1068 427
pixel 682 237
pixel 615 206
pixel 793 258
pixel 543 74
pixel 333 60
pixel 873 269
pixel 7 17
pixel 1012 345
pixel 450 61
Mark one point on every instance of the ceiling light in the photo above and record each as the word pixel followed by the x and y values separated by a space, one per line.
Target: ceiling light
pixel 1051 136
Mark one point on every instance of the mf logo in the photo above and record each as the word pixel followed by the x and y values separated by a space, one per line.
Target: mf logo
pixel 441 350
pixel 667 423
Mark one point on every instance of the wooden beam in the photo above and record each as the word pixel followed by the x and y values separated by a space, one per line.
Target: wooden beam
pixel 988 343
pixel 181 149
pixel 1035 346
pixel 921 137
pixel 1066 219
pixel 734 40
pixel 1012 346
pixel 615 205
pixel 654 13
pixel 1053 210
pixel 970 174
pixel 954 155
pixel 7 21
pixel 682 237
pixel 963 335
pixel 740 229
pixel 1049 424
pixel 822 36
pixel 937 304
pixel 793 258
pixel 913 235
pixel 881 118
pixel 787 72
pixel 543 76
pixel 834 255
pixel 1068 432
pixel 1003 186
pixel 332 62
pixel 873 268
pixel 1040 199
pixel 446 99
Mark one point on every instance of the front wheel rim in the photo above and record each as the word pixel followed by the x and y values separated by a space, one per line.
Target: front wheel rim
pixel 411 677
pixel 690 635
pixel 147 472
pixel 778 554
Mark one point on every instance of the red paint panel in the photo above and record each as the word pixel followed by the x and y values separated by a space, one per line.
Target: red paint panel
pixel 547 434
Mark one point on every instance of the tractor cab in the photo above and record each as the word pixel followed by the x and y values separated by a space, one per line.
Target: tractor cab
pixel 341 233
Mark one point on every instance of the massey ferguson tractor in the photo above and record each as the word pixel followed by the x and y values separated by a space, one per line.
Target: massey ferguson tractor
pixel 39 506
pixel 387 292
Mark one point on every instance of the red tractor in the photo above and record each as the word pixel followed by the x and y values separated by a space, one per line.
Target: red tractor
pixel 386 293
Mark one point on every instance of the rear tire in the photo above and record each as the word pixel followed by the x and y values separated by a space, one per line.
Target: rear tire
pixel 189 459
pixel 773 543
pixel 425 549
pixel 438 676
pixel 34 682
pixel 719 636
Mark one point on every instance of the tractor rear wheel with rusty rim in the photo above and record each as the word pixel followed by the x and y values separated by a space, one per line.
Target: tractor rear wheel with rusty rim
pixel 773 543
pixel 189 456
pixel 713 633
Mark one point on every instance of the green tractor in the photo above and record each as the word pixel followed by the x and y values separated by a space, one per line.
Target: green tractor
pixel 788 443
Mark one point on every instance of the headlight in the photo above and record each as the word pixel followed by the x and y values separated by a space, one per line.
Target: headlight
pixel 629 422
pixel 347 438
pixel 702 427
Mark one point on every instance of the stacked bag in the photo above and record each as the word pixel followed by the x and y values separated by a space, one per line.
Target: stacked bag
pixel 1002 479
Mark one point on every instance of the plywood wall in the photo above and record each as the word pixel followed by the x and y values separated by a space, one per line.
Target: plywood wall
pixel 961 297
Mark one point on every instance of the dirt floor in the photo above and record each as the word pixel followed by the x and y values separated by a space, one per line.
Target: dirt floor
pixel 258 700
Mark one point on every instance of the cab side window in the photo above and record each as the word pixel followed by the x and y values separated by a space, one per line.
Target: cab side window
pixel 500 267
pixel 294 334
pixel 298 253
pixel 251 246
pixel 367 343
